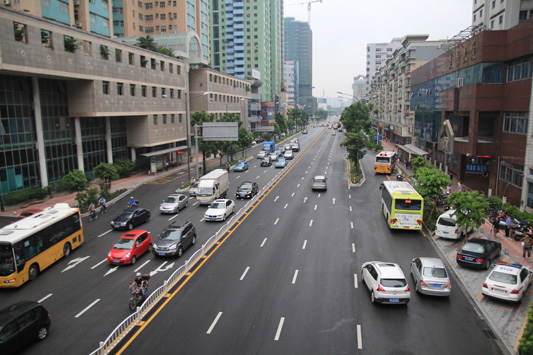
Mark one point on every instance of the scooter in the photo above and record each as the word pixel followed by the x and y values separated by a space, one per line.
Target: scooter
pixel 137 298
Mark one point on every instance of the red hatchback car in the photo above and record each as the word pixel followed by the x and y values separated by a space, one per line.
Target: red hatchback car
pixel 130 247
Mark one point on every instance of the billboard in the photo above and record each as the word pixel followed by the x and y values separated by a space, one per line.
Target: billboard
pixel 220 131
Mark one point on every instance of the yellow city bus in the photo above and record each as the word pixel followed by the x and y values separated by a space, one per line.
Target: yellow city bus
pixel 32 244
pixel 385 162
pixel 402 206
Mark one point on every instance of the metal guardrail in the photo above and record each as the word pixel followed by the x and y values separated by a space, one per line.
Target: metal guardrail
pixel 123 329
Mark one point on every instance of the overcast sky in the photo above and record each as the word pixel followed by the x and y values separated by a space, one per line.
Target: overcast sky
pixel 342 29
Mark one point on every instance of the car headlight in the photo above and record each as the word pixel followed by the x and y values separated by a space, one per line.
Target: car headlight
pixel 154 245
pixel 109 254
pixel 127 255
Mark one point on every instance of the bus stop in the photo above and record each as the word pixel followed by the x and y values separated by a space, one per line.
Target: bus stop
pixel 162 159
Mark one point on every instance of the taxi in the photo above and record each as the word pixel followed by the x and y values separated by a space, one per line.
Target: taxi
pixel 507 282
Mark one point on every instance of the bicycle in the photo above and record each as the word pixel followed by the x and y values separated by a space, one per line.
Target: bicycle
pixel 92 216
pixel 103 209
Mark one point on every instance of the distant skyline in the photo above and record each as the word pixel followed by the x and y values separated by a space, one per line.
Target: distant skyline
pixel 342 29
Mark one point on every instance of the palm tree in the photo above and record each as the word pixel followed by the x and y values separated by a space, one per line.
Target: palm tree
pixel 147 42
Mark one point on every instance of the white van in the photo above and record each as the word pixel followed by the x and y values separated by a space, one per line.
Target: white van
pixel 447 226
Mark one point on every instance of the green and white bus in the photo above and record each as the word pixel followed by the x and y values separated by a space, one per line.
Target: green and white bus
pixel 402 206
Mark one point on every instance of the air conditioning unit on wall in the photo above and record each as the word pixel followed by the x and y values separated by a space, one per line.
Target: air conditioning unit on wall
pixel 7 2
pixel 79 25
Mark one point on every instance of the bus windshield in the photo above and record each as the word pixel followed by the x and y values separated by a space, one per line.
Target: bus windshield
pixel 408 205
pixel 7 264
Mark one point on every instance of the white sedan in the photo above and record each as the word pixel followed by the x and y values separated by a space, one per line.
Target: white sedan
pixel 219 210
pixel 507 282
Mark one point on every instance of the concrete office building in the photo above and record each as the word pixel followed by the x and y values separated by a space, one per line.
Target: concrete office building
pixel 92 16
pixel 391 88
pixel 298 40
pixel 500 14
pixel 289 88
pixel 473 112
pixel 359 88
pixel 376 56
pixel 246 36
pixel 76 100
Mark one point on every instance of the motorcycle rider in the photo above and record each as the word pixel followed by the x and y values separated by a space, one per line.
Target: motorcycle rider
pixel 141 283
pixel 132 202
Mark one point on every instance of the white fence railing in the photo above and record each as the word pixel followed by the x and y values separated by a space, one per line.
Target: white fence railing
pixel 130 322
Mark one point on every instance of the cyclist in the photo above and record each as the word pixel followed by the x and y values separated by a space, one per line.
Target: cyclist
pixel 92 211
pixel 103 204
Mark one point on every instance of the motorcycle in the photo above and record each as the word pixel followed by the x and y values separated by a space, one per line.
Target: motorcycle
pixel 137 202
pixel 399 177
pixel 137 298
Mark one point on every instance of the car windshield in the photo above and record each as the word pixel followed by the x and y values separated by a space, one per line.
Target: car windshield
pixel 503 278
pixel 266 160
pixel 473 247
pixel 123 244
pixel 435 272
pixel 170 234
pixel 125 214
pixel 448 222
pixel 218 205
pixel 170 200
pixel 246 186
pixel 393 282
pixel 281 160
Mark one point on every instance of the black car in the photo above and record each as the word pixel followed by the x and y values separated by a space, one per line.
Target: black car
pixel 266 161
pixel 21 324
pixel 479 253
pixel 247 189
pixel 174 239
pixel 130 218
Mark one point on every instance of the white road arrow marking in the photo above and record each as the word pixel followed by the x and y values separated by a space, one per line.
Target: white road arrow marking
pixel 161 268
pixel 74 262
pixel 111 271
pixel 305 199
pixel 333 200
pixel 276 198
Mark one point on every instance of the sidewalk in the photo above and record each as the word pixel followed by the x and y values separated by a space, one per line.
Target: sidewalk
pixel 506 319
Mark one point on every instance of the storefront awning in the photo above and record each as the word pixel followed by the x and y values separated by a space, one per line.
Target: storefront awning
pixel 411 149
pixel 164 151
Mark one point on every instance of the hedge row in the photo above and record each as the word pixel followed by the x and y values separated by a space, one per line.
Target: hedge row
pixel 33 193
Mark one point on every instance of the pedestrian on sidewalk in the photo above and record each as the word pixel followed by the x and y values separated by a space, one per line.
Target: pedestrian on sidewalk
pixel 507 226
pixel 459 186
pixel 449 189
pixel 527 243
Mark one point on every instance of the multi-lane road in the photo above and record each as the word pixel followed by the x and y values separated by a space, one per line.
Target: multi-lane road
pixel 286 280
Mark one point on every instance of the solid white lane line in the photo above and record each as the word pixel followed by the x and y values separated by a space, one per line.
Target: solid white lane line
pixel 175 216
pixel 316 207
pixel 350 208
pixel 280 326
pixel 311 223
pixel 87 308
pixel 294 277
pixel 353 247
pixel 359 337
pixel 305 243
pixel 214 323
pixel 244 273
pixel 355 280
pixel 100 263
pixel 264 241
pixel 140 267
pixel 44 298
pixel 285 206
pixel 101 235
pixel 276 222
pixel 351 225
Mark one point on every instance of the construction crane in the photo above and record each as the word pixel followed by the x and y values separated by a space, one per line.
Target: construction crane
pixel 309 2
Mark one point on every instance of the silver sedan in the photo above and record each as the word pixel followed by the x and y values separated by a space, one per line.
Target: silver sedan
pixel 174 203
pixel 430 276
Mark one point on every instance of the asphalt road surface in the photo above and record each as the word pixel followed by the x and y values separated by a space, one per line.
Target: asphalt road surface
pixel 286 280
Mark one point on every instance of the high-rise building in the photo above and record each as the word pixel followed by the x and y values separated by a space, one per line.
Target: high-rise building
pixel 290 83
pixel 92 16
pixel 376 56
pixel 298 47
pixel 246 36
pixel 359 88
pixel 500 14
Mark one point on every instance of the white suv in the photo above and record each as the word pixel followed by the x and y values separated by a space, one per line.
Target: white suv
pixel 386 282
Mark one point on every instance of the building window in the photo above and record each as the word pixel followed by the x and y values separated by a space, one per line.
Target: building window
pixel 511 173
pixel 170 68
pixel 180 117
pixel 120 89
pixel 46 39
pixel 143 61
pixel 171 93
pixel 132 89
pixel 105 87
pixel 179 94
pixel 155 120
pixel 20 32
pixel 164 119
pixel 519 70
pixel 163 93
pixel 162 66
pixel 143 90
pixel 172 118
pixel 131 58
pixel 500 19
pixel 529 195
pixel 118 55
pixel 515 122
pixel 154 91
pixel 152 63
pixel 178 68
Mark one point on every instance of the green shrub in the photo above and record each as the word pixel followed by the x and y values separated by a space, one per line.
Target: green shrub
pixel 526 342
pixel 21 196
pixel 124 167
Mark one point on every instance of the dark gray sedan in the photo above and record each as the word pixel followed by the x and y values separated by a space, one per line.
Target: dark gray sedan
pixel 130 218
